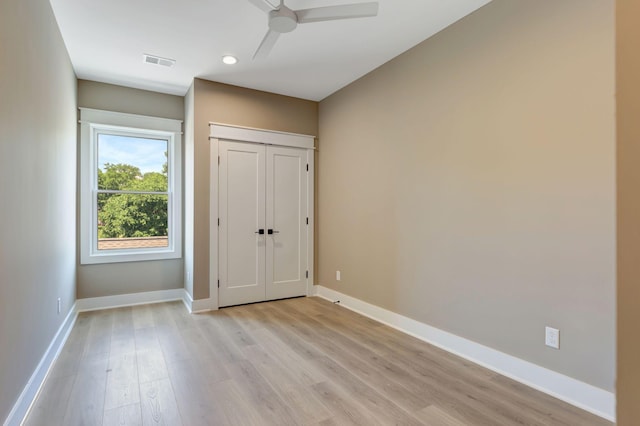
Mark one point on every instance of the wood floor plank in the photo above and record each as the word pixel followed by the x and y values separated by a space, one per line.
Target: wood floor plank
pixel 471 395
pixel 282 326
pixel 234 330
pixel 478 406
pixel 142 316
pixel 67 362
pixel 146 339
pixel 369 367
pixel 158 404
pixel 151 365
pixel 192 393
pixel 172 343
pixel 232 406
pixel 123 319
pixel 291 388
pixel 180 316
pixel 50 407
pixel 122 381
pixel 333 421
pixel 199 347
pixel 383 408
pixel 280 377
pixel 86 402
pixel 249 317
pixel 301 361
pixel 390 339
pixel 278 348
pixel 434 416
pixel 262 395
pixel 127 415
pixel 307 406
pixel 345 408
pixel 162 315
pixel 123 341
pixel 306 372
pixel 99 338
pixel 558 412
pixel 226 348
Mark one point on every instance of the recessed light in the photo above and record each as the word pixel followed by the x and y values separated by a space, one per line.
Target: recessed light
pixel 229 60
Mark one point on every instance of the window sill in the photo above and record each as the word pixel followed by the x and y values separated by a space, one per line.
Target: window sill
pixel 129 256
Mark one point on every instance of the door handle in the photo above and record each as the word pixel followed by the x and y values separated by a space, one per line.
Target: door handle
pixel 271 231
pixel 260 231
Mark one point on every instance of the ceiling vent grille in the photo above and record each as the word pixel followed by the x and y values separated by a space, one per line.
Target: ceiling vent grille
pixel 157 60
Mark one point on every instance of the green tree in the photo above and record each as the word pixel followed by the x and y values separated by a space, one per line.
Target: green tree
pixel 132 215
pixel 117 176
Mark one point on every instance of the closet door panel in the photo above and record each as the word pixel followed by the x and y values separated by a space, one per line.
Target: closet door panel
pixel 286 183
pixel 241 212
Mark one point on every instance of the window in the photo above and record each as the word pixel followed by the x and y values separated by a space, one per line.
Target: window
pixel 130 187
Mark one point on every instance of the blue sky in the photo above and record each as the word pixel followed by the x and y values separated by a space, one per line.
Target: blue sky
pixel 146 154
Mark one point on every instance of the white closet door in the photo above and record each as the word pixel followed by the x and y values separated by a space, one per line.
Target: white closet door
pixel 241 212
pixel 286 217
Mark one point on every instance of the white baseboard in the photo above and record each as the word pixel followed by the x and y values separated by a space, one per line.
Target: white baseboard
pixel 582 395
pixel 120 300
pixel 188 301
pixel 31 390
pixel 200 305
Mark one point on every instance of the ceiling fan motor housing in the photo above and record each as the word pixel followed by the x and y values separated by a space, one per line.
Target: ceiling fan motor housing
pixel 283 20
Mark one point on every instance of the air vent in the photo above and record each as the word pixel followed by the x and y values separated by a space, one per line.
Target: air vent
pixel 157 60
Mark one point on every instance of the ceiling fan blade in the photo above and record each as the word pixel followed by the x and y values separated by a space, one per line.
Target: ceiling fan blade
pixel 263 5
pixel 266 45
pixel 329 13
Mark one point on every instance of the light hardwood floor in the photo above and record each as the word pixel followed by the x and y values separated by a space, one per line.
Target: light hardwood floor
pixel 290 362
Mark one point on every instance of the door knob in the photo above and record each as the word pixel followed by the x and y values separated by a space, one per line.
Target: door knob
pixel 271 231
pixel 260 231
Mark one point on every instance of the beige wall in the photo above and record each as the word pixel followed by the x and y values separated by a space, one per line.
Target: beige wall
pixel 628 167
pixel 469 183
pixel 37 187
pixel 129 277
pixel 93 94
pixel 221 103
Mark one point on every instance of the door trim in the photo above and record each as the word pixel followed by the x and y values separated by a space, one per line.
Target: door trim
pixel 267 137
pixel 263 136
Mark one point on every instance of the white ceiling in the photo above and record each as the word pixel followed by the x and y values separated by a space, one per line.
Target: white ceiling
pixel 106 40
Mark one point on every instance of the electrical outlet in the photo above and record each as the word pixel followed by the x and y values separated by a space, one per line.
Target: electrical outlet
pixel 337 275
pixel 552 337
pixel 188 276
pixel 59 305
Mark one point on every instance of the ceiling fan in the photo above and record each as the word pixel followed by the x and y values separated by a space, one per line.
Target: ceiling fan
pixel 284 20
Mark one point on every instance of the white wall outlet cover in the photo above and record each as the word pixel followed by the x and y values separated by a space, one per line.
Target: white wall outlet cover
pixel 552 337
pixel 337 275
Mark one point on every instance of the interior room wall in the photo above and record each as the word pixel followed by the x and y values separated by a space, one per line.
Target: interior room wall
pixel 470 183
pixel 628 184
pixel 38 190
pixel 129 277
pixel 222 103
pixel 189 110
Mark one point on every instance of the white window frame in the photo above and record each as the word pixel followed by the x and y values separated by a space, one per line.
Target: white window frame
pixel 93 122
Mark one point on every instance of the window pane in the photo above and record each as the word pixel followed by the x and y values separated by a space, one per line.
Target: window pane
pixel 127 221
pixel 132 163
